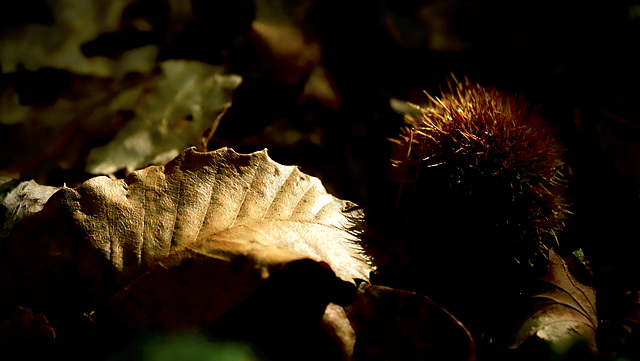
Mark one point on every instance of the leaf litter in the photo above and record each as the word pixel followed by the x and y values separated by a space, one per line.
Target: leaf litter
pixel 219 204
pixel 563 313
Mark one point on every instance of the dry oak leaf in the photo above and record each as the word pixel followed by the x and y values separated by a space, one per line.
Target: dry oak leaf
pixel 563 313
pixel 91 241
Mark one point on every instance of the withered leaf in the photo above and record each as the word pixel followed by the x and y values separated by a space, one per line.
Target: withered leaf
pixel 20 199
pixel 279 316
pixel 170 112
pixel 145 121
pixel 95 239
pixel 392 324
pixel 58 45
pixel 196 284
pixel 619 334
pixel 563 312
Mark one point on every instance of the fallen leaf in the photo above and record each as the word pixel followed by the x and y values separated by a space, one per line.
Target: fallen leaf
pixel 91 241
pixel 20 199
pixel 145 121
pixel 209 278
pixel 278 316
pixel 58 133
pixel 322 87
pixel 291 52
pixel 58 45
pixel 339 328
pixel 170 114
pixel 619 334
pixel 392 324
pixel 563 312
pixel 89 74
pixel 283 316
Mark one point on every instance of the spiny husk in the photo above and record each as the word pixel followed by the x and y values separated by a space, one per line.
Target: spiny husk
pixel 487 151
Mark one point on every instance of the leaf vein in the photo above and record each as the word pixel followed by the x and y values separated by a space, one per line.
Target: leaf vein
pixel 278 192
pixel 244 197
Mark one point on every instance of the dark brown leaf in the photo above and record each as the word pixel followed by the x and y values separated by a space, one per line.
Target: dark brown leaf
pixel 563 313
pixel 392 324
pixel 24 327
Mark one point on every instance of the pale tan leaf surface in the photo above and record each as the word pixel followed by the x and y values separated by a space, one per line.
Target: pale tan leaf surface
pixel 108 231
pixel 563 312
pixel 338 326
pixel 20 199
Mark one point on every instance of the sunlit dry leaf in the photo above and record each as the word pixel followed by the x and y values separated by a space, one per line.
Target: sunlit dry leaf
pixel 564 312
pixel 94 239
pixel 21 199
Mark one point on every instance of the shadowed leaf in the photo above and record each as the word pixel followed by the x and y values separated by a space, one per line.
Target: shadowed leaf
pixel 393 324
pixel 220 204
pixel 563 312
pixel 169 113
pixel 58 45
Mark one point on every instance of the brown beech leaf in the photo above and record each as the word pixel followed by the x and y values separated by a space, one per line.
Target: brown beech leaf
pixel 93 240
pixel 563 312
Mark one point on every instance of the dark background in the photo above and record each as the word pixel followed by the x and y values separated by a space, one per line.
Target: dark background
pixel 578 61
